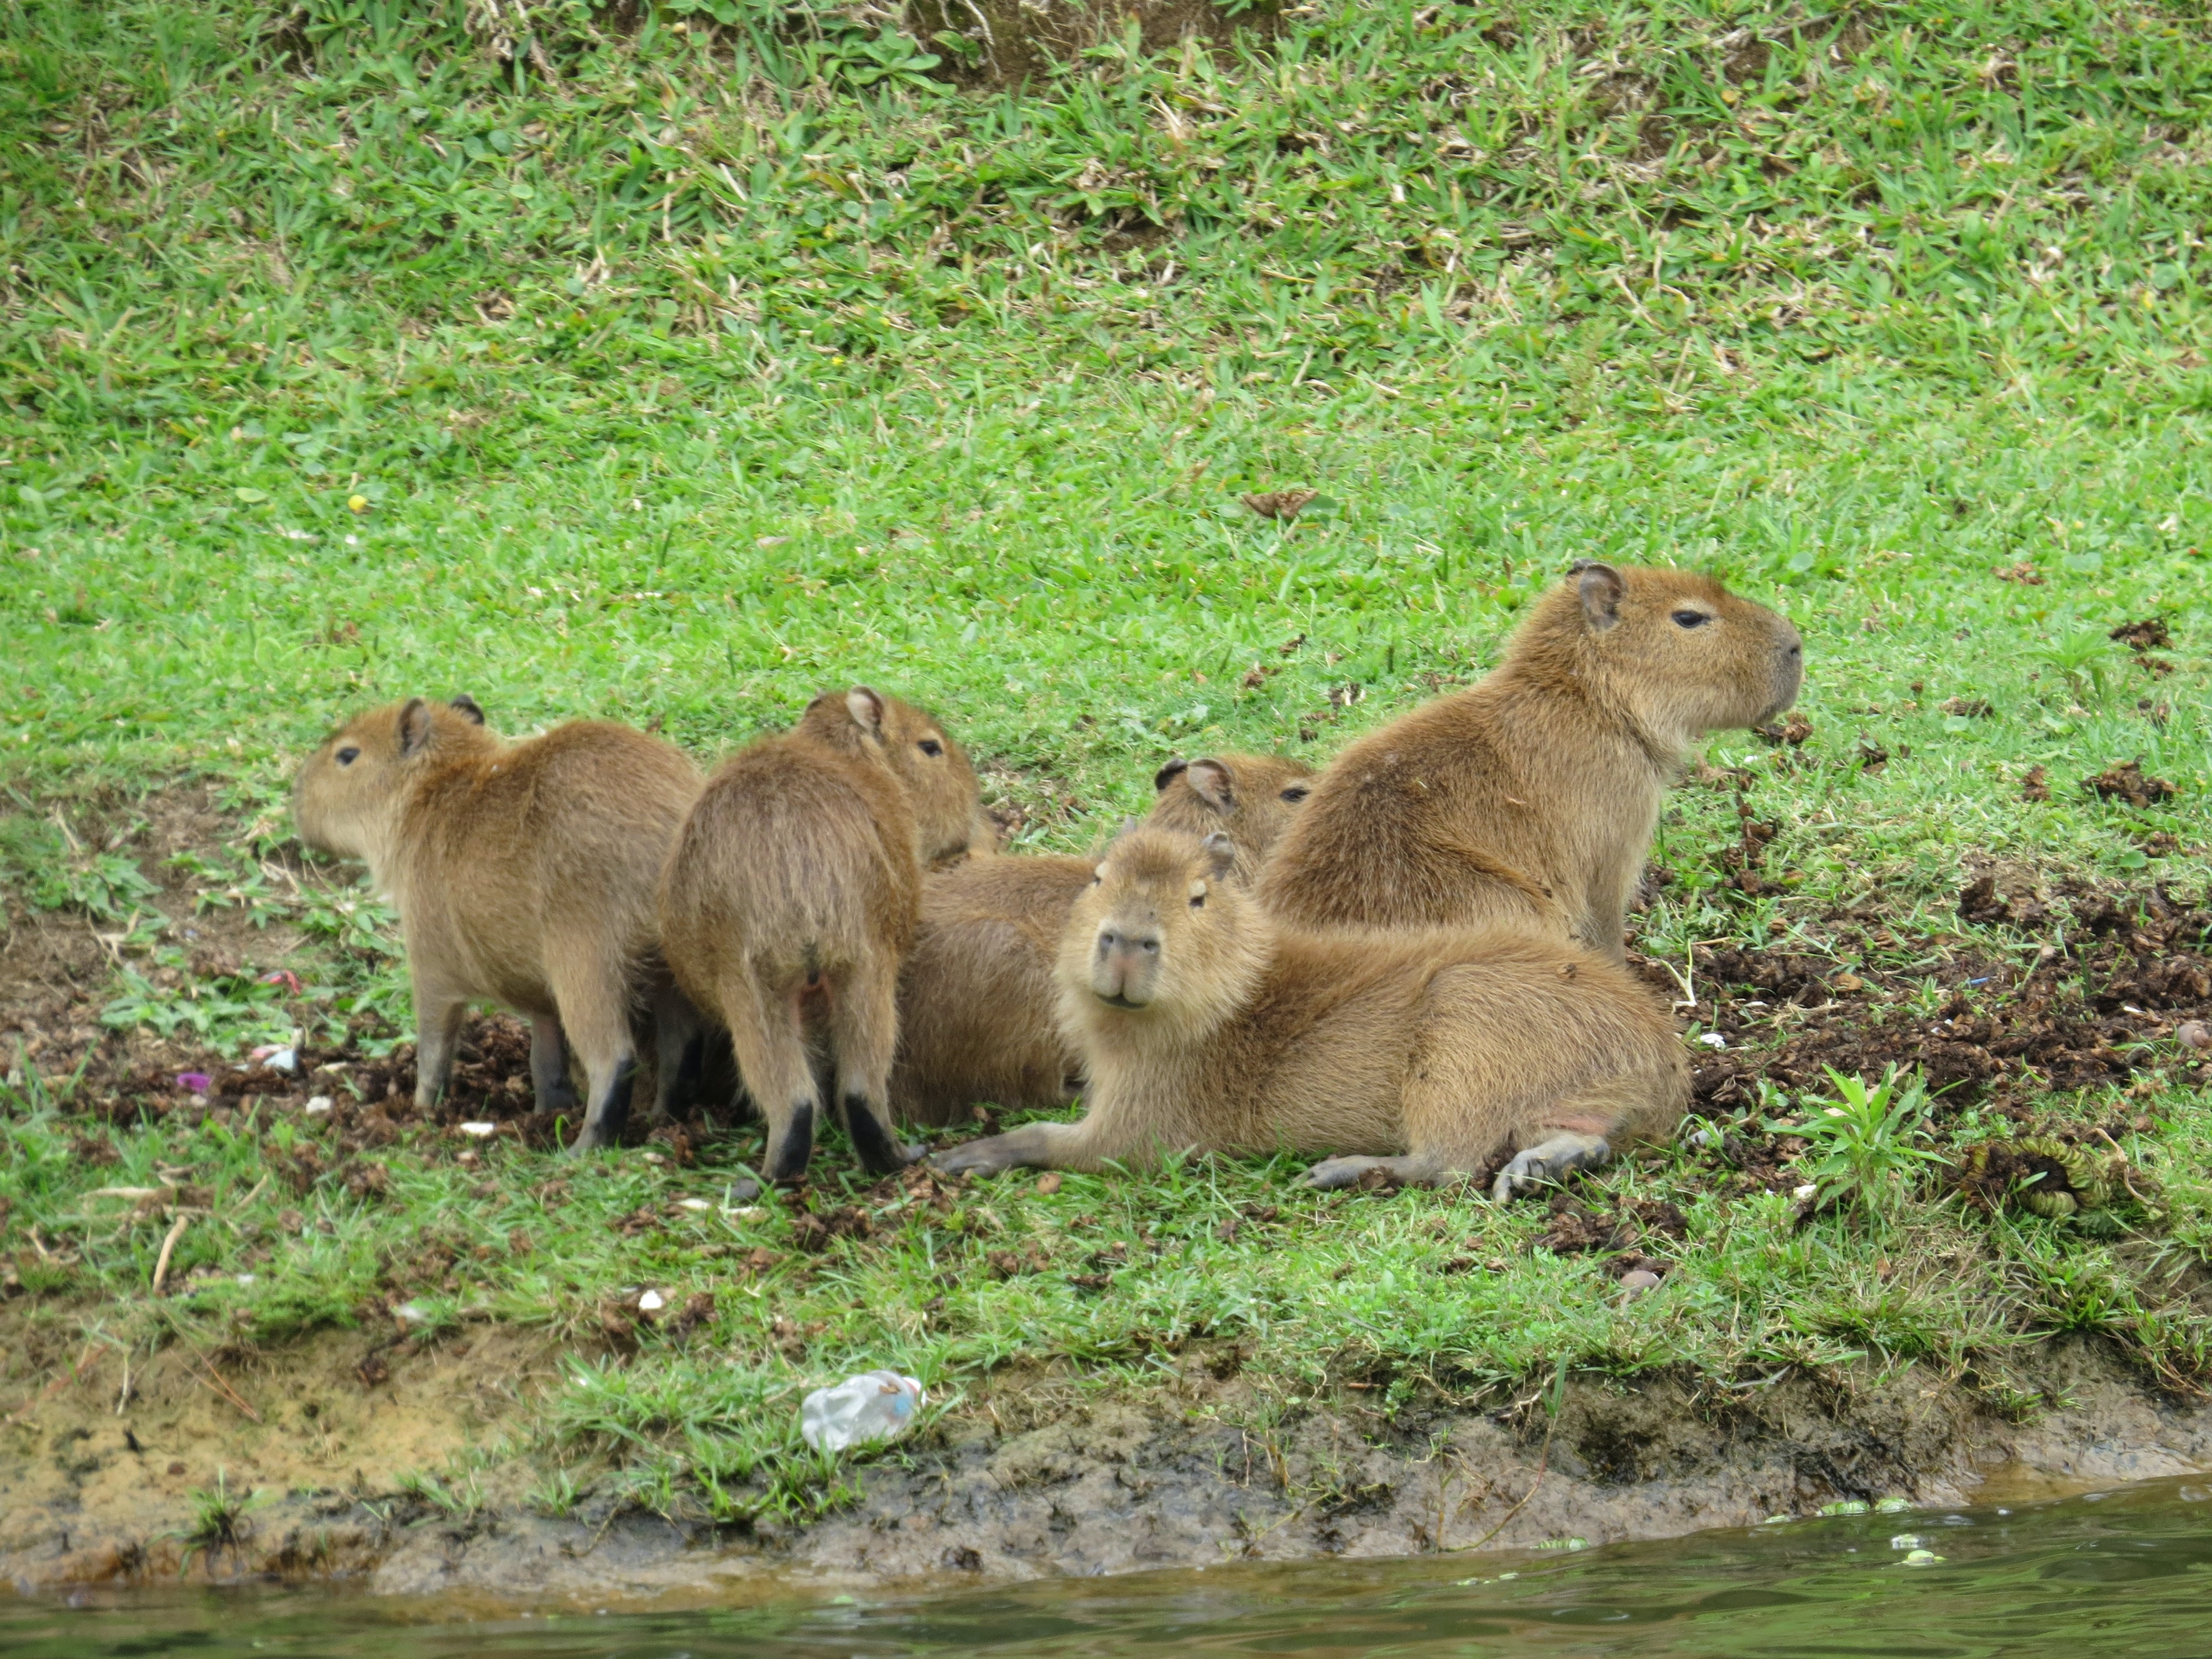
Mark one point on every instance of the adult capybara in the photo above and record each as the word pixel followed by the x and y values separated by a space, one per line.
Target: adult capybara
pixel 977 1006
pixel 1531 796
pixel 1204 1024
pixel 524 874
pixel 791 895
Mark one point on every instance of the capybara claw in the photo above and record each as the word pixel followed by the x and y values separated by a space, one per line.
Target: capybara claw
pixel 1543 1165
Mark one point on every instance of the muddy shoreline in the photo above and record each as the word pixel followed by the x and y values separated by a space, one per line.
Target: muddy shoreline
pixel 1024 1481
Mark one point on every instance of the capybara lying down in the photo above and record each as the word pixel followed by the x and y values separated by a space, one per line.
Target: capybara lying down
pixel 1429 1054
pixel 524 874
pixel 978 1009
pixel 1530 797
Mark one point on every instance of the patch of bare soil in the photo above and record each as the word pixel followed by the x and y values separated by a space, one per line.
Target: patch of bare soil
pixel 2082 990
pixel 1043 1479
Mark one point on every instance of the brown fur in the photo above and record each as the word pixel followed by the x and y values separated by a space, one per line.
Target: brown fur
pixel 1530 797
pixel 1204 1024
pixel 976 1002
pixel 792 895
pixel 524 874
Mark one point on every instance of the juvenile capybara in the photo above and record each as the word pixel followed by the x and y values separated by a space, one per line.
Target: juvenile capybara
pixel 1204 1024
pixel 791 895
pixel 977 1006
pixel 524 874
pixel 1531 796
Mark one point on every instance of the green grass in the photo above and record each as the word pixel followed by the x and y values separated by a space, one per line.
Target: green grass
pixel 719 369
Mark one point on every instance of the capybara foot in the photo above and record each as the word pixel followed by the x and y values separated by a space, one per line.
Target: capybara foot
pixel 1538 1165
pixel 988 1155
pixel 879 1151
pixel 789 1153
pixel 1334 1172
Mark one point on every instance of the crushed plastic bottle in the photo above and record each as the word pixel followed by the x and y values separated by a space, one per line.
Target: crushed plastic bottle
pixel 860 1410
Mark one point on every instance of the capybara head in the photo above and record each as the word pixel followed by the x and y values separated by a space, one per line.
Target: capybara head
pixel 1251 799
pixel 1676 648
pixel 1162 935
pixel 349 793
pixel 940 782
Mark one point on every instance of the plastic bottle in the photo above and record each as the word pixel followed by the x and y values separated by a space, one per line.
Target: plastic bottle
pixel 878 1406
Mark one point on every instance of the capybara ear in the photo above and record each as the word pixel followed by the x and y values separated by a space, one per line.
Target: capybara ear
pixel 1168 774
pixel 1221 853
pixel 468 705
pixel 1601 587
pixel 414 726
pixel 866 705
pixel 1214 786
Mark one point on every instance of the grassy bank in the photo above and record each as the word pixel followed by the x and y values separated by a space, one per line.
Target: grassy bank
pixel 346 362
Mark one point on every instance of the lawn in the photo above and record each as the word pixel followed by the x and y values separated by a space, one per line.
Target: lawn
pixel 343 363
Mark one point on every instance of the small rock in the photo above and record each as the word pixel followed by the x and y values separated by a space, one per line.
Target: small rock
pixel 1048 1183
pixel 317 1104
pixel 1637 1280
pixel 2195 1034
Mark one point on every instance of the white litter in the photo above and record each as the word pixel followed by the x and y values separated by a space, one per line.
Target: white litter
pixel 411 1313
pixel 1714 1040
pixel 1806 1194
pixel 480 1130
pixel 317 1105
pixel 860 1411
pixel 652 1302
pixel 693 1204
pixel 278 1058
pixel 1906 1540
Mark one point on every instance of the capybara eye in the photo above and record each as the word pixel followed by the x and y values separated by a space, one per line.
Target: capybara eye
pixel 1198 901
pixel 931 747
pixel 348 754
pixel 1297 792
pixel 1691 619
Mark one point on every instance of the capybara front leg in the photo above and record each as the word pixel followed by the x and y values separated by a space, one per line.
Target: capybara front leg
pixel 549 1068
pixel 679 1047
pixel 1548 1161
pixel 1417 1169
pixel 1034 1145
pixel 437 1035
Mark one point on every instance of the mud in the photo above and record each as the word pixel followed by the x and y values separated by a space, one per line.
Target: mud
pixel 1039 1478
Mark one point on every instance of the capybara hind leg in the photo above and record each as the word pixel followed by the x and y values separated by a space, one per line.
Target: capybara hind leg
pixel 549 1068
pixel 1548 1162
pixel 437 1035
pixel 680 1044
pixel 1416 1170
pixel 770 1048
pixel 594 1003
pixel 863 1038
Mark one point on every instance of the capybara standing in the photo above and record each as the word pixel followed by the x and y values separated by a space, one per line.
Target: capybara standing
pixel 1531 796
pixel 1203 1025
pixel 524 874
pixel 977 1006
pixel 795 885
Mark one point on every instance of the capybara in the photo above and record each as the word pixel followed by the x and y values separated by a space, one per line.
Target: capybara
pixel 1531 796
pixel 1205 1024
pixel 524 874
pixel 978 1011
pixel 791 895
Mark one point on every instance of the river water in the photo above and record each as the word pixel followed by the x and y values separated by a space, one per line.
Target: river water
pixel 2127 1572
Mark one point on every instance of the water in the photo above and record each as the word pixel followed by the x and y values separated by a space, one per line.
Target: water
pixel 2124 1573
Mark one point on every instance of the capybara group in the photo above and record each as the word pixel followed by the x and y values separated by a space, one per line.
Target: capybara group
pixel 1530 799
pixel 524 874
pixel 1204 1024
pixel 1410 964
